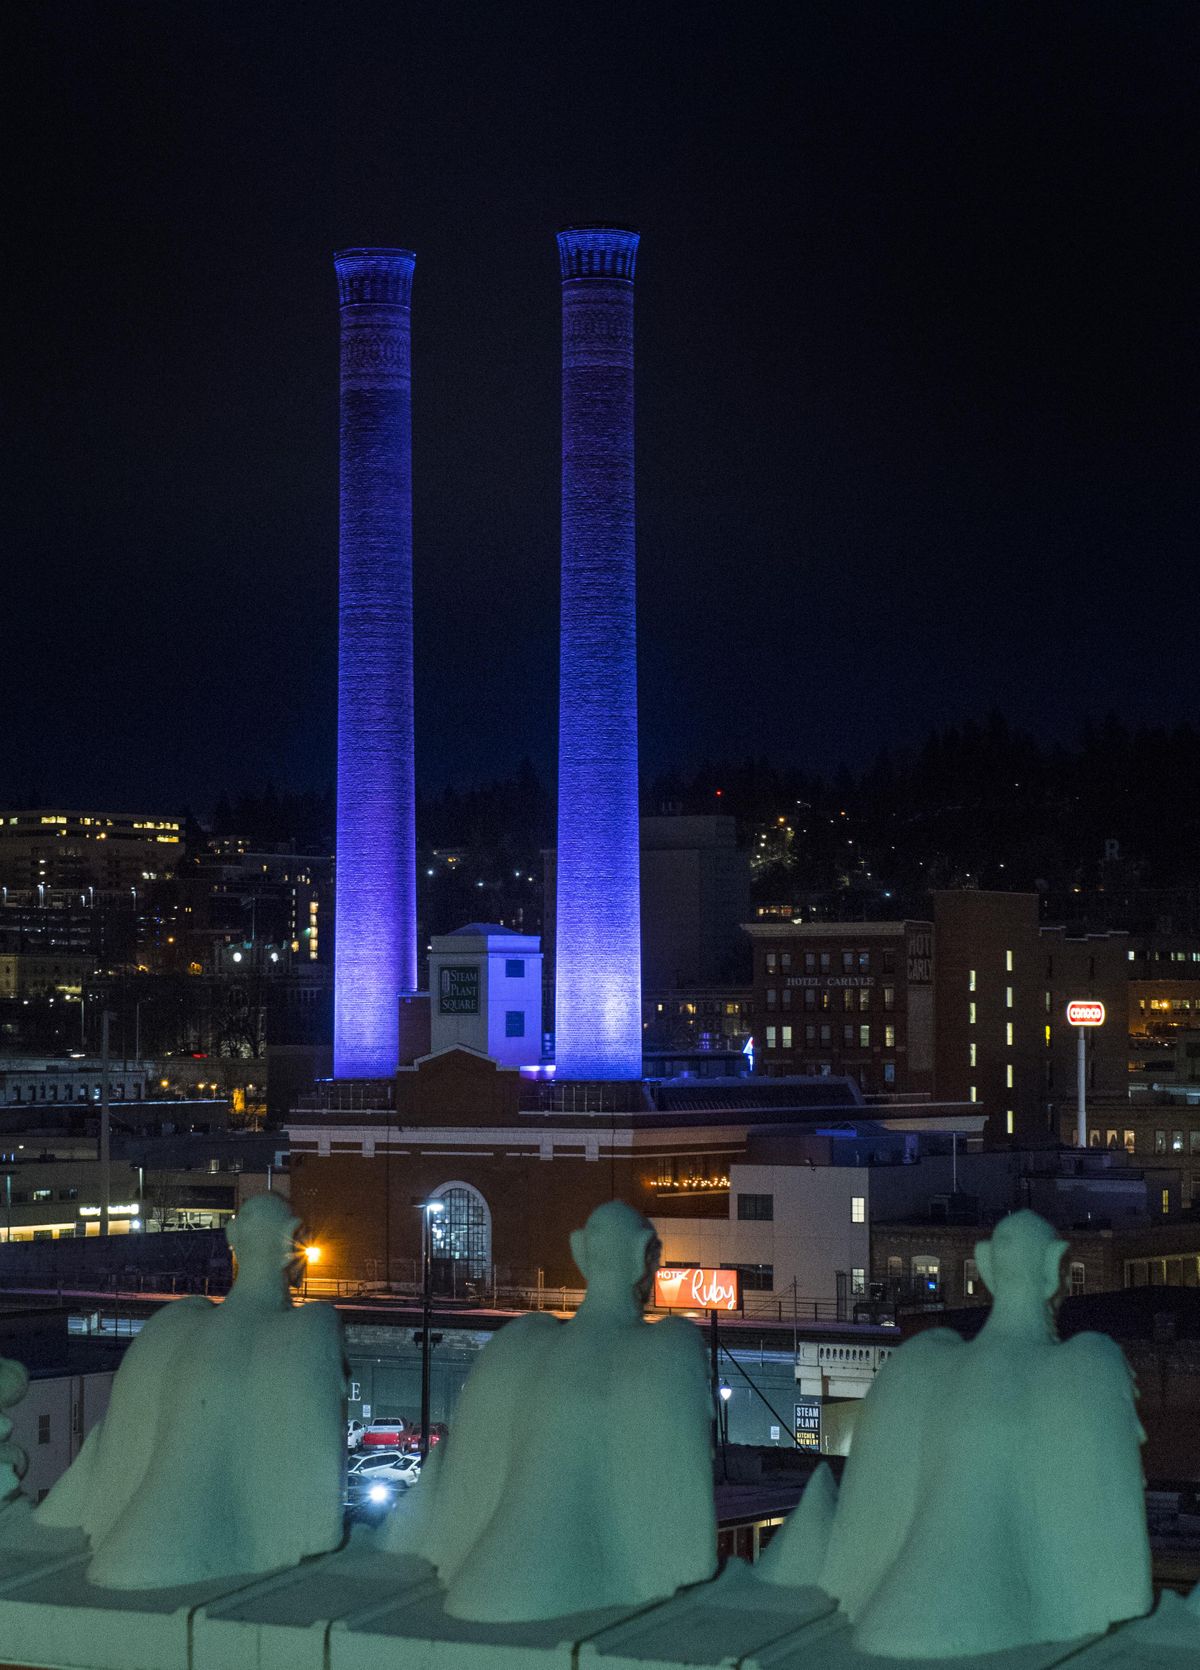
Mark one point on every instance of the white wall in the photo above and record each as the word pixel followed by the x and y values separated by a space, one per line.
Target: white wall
pixel 72 1404
pixel 810 1238
pixel 523 993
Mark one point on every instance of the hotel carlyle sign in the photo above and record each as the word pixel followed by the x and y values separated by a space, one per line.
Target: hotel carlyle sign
pixel 458 989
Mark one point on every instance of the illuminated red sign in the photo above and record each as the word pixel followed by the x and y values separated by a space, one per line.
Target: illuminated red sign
pixel 696 1288
pixel 1089 1013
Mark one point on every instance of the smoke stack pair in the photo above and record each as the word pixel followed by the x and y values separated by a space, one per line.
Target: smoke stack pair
pixel 598 998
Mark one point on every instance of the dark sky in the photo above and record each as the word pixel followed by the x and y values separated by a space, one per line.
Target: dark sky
pixel 916 370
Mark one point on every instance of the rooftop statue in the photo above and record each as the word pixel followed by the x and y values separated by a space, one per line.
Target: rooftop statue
pixel 14 1383
pixel 993 1496
pixel 579 1472
pixel 180 1482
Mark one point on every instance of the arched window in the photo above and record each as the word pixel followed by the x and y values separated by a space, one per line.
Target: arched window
pixel 462 1232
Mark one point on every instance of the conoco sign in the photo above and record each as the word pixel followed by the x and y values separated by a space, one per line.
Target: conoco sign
pixel 695 1287
pixel 1085 1013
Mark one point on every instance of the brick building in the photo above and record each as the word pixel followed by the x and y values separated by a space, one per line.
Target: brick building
pixel 853 998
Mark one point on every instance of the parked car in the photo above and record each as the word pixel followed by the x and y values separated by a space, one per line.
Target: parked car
pixel 354 1434
pixel 411 1440
pixel 383 1467
pixel 386 1434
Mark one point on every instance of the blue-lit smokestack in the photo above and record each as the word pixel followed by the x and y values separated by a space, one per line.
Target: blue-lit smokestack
pixel 376 948
pixel 598 1023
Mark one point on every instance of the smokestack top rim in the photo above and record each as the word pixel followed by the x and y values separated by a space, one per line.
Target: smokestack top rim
pixel 598 251
pixel 374 251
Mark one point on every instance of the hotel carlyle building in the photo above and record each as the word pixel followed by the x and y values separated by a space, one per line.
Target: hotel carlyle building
pixel 967 1008
pixel 852 999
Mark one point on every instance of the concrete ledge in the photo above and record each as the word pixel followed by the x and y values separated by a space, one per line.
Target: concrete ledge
pixel 362 1610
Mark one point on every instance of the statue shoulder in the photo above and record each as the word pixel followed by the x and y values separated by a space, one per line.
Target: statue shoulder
pixel 675 1334
pixel 932 1346
pixel 1095 1358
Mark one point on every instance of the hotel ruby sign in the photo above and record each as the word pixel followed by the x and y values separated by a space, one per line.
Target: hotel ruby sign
pixel 1085 1013
pixel 695 1287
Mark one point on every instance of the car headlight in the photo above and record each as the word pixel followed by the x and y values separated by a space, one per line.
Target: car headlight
pixel 379 1493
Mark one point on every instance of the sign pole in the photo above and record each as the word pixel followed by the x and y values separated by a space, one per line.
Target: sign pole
pixel 1081 1014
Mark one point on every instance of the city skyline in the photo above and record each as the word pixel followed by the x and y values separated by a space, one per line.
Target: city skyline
pixel 914 401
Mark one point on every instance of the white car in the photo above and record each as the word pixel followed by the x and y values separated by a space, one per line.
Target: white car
pixel 354 1434
pixel 391 1467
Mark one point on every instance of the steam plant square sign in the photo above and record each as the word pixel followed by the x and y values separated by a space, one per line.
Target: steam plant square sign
pixel 458 992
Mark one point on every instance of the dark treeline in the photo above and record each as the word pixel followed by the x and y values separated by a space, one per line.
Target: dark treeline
pixel 977 804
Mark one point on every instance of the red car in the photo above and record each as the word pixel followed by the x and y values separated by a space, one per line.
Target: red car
pixel 387 1435
pixel 412 1438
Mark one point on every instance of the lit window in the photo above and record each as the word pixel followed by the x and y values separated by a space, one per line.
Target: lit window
pixel 1078 1279
pixel 771 961
pixel 1160 1142
pixel 972 1095
pixel 1008 962
pixel 858 1209
pixel 971 981
pixel 770 1037
pixel 971 1013
pixel 858 1281
pixel 1130 1142
pixel 1008 1121
pixel 864 998
pixel 1008 1075
pixel 889 997
pixel 889 1072
pixel 1176 1143
pixel 1008 994
pixel 889 1037
pixel 971 1282
pixel 786 1037
pixel 974 1049
pixel 864 1037
pixel 1047 1037
pixel 1166 1201
pixel 1008 1034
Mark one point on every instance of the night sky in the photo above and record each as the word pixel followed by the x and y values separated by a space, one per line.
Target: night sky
pixel 917 380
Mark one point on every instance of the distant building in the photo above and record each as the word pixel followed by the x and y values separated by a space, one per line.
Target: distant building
pixel 697 1018
pixel 695 896
pixel 77 850
pixel 852 998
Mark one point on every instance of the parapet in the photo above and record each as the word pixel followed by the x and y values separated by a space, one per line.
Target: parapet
pixel 597 252
pixel 375 276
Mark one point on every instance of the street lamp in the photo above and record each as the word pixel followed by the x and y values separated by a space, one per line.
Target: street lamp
pixel 429 1209
pixel 726 1391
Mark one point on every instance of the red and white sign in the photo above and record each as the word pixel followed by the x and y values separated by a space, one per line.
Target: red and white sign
pixel 696 1288
pixel 1085 1013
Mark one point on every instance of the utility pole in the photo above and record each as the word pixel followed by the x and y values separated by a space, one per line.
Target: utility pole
pixel 105 1157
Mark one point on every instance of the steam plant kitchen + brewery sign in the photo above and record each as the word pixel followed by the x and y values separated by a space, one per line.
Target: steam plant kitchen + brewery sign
pixel 458 989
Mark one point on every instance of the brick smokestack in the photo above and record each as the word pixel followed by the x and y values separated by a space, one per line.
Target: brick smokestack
pixel 598 1023
pixel 376 946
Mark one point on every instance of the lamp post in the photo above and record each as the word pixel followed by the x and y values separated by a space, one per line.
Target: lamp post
pixel 428 1209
